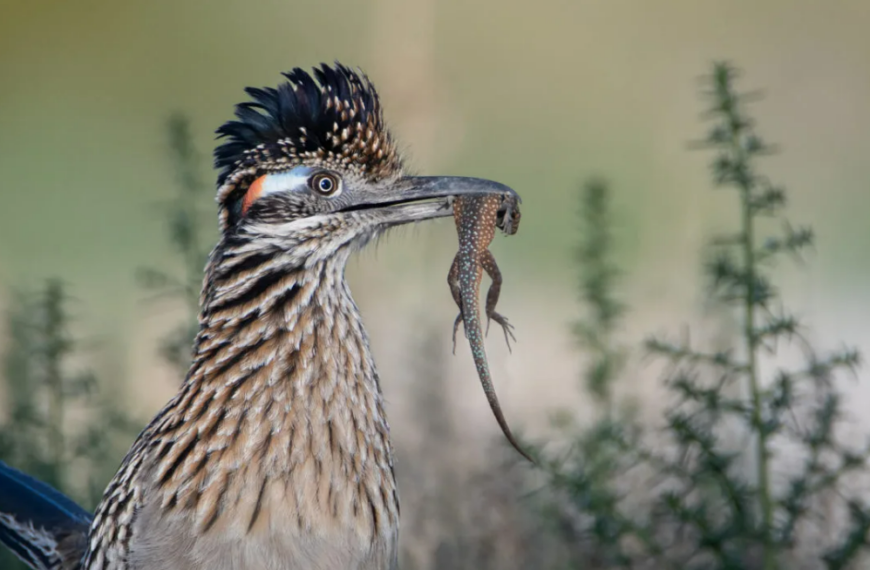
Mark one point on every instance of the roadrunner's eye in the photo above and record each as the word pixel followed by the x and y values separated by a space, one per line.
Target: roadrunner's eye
pixel 325 183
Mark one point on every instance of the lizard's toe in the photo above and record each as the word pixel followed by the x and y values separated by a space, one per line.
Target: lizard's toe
pixel 456 328
pixel 505 325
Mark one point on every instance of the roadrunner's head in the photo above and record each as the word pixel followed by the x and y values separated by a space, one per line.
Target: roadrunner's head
pixel 313 159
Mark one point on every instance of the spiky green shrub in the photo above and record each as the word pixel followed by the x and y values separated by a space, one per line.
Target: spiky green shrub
pixel 58 425
pixel 688 496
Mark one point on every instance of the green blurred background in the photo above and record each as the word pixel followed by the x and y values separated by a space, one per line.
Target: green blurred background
pixel 539 95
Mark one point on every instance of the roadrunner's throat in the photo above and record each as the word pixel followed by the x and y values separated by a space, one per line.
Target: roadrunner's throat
pixel 274 435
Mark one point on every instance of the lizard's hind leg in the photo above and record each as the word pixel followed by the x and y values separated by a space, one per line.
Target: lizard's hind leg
pixel 491 267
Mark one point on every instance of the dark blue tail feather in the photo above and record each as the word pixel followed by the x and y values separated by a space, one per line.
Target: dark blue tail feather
pixel 36 519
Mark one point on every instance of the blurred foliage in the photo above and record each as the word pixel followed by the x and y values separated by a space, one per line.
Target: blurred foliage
pixel 703 492
pixel 61 427
pixel 459 513
pixel 185 218
pixel 58 426
pixel 598 282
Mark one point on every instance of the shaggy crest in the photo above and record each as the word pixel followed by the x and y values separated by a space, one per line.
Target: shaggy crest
pixel 333 119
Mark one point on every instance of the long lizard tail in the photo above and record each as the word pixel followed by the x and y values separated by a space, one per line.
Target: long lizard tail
pixel 43 527
pixel 478 352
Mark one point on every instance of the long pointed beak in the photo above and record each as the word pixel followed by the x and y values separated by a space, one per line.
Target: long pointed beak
pixel 415 188
pixel 417 198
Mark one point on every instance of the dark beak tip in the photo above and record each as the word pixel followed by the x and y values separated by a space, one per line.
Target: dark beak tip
pixel 512 194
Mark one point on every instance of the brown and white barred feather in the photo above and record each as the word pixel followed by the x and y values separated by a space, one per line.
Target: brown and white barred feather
pixel 276 450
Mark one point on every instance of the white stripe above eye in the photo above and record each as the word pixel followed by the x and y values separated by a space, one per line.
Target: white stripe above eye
pixel 285 181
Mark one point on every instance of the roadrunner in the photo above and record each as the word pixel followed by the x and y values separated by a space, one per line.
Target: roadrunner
pixel 275 453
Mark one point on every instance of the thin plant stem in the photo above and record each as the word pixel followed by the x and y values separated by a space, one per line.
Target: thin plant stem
pixel 749 332
pixel 55 351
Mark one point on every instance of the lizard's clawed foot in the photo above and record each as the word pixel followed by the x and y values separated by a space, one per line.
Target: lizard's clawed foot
pixel 458 320
pixel 505 325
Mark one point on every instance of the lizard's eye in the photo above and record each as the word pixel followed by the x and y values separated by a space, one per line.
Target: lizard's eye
pixel 325 184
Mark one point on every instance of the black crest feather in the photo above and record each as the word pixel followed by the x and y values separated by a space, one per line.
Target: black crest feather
pixel 333 116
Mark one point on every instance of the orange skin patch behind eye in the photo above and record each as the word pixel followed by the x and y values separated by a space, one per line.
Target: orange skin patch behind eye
pixel 254 191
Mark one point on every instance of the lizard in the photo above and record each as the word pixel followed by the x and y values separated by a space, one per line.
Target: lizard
pixel 477 217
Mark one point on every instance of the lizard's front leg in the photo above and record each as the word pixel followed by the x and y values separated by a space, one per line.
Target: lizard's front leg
pixel 487 260
pixel 456 290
